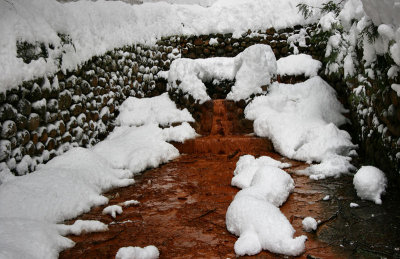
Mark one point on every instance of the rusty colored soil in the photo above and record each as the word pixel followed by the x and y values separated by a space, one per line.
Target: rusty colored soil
pixel 183 203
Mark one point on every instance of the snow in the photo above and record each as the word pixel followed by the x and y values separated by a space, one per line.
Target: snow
pixel 82 226
pixel 251 69
pixel 302 122
pixel 386 12
pixel 396 88
pixel 296 65
pixel 112 210
pixel 326 198
pixel 159 109
pixel 254 215
pixel 93 34
pixel 309 224
pixel 148 252
pixel 179 133
pixel 247 166
pixel 72 183
pixel 370 183
pixel 354 205
pixel 130 202
pixel 136 148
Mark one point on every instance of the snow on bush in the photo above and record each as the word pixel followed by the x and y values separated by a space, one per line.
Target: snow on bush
pixel 309 224
pixel 251 69
pixel 148 252
pixel 301 64
pixel 159 109
pixel 94 27
pixel 370 183
pixel 247 166
pixel 112 210
pixel 254 215
pixel 302 122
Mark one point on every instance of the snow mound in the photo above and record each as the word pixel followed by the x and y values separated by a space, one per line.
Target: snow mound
pixel 82 226
pixel 136 148
pixel 251 69
pixel 302 122
pixel 148 252
pixel 130 202
pixel 295 65
pixel 247 166
pixel 179 133
pixel 113 210
pixel 370 183
pixel 159 109
pixel 309 224
pixel 254 215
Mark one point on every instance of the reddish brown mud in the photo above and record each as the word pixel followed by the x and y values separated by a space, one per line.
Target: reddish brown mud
pixel 183 203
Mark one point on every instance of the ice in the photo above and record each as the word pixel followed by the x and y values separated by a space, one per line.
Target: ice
pixel 302 122
pixel 251 69
pixel 112 210
pixel 301 64
pixel 159 109
pixel 370 183
pixel 254 215
pixel 148 252
pixel 247 166
pixel 309 224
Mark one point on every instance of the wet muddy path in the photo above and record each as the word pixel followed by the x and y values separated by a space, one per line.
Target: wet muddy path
pixel 183 204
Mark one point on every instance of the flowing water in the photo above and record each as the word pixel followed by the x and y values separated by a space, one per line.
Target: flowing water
pixel 183 203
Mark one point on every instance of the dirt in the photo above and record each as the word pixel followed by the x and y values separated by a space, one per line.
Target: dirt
pixel 183 203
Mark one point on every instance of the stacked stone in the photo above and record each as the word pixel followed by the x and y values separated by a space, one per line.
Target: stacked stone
pixel 45 117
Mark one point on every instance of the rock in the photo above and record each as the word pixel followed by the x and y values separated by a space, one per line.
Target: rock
pixel 24 107
pixel 64 100
pixel 9 129
pixel 21 121
pixel 30 148
pixel 51 144
pixel 270 31
pixel 198 42
pixel 7 112
pixel 5 149
pixel 33 121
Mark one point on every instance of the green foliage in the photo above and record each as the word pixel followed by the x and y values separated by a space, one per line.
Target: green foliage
pixel 305 10
pixel 371 32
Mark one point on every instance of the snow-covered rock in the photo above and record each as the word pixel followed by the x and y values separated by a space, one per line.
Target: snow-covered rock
pixel 370 183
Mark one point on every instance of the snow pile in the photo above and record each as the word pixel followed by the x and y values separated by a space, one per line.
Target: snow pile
pixel 251 69
pixel 302 122
pixel 179 133
pixel 82 226
pixel 72 183
pixel 296 65
pixel 247 166
pixel 92 34
pixel 309 224
pixel 254 215
pixel 63 188
pixel 148 252
pixel 159 109
pixel 370 183
pixel 112 210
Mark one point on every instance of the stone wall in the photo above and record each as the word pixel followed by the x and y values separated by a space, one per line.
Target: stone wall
pixel 45 117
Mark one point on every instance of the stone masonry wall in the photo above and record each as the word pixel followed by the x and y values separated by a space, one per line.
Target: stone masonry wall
pixel 45 117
